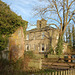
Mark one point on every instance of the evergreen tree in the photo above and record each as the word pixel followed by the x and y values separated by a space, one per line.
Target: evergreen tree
pixel 59 47
pixel 51 49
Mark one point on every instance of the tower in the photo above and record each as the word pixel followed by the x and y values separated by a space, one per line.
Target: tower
pixel 41 23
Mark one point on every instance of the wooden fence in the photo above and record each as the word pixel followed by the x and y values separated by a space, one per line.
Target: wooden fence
pixel 57 63
pixel 65 72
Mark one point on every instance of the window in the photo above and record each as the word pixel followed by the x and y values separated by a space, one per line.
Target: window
pixel 27 47
pixel 42 35
pixel 42 47
pixel 27 37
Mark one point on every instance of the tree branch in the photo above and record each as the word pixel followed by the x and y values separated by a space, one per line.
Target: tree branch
pixel 57 10
pixel 71 17
pixel 55 25
pixel 67 12
pixel 54 20
pixel 68 7
pixel 68 21
pixel 73 20
pixel 71 4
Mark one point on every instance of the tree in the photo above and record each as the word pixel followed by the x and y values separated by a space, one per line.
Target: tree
pixel 70 37
pixel 9 22
pixel 59 12
pixel 73 35
pixel 59 46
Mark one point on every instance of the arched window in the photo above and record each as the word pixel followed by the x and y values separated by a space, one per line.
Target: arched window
pixel 42 47
pixel 27 47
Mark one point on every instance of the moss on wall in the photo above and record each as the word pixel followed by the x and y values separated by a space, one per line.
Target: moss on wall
pixel 16 44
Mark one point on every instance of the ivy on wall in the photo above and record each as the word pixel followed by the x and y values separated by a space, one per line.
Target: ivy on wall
pixel 9 22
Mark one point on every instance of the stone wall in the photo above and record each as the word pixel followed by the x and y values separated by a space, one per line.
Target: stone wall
pixel 16 44
pixel 35 38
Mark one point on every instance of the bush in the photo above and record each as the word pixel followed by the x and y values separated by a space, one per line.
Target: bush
pixel 19 67
pixel 11 67
pixel 30 54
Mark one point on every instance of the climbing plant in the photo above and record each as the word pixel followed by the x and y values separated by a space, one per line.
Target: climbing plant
pixel 9 22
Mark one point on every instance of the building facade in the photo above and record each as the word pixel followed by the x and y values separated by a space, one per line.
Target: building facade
pixel 40 38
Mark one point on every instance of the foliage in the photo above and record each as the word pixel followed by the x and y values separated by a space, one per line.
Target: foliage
pixel 70 37
pixel 51 49
pixel 30 54
pixel 9 22
pixel 59 47
pixel 3 42
pixel 11 68
pixel 44 71
pixel 15 68
pixel 22 63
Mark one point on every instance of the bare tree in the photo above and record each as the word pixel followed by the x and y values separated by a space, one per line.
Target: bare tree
pixel 58 12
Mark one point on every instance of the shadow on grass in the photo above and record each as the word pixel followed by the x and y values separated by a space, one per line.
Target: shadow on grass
pixel 11 68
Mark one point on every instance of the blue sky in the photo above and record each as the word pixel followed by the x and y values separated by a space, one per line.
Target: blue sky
pixel 24 8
